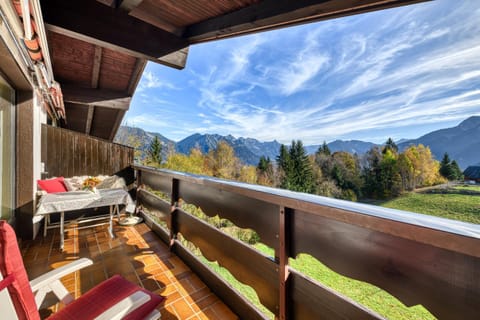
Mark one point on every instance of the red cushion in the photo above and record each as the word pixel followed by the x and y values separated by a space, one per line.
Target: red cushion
pixel 105 295
pixel 11 263
pixel 53 185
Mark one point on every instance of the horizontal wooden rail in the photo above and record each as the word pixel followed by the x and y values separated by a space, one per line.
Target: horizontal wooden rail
pixel 419 259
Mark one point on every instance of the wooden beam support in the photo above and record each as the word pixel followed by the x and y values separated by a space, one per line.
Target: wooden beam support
pixel 109 3
pixel 107 27
pixel 88 125
pixel 271 14
pixel 97 61
pixel 136 75
pixel 128 5
pixel 117 123
pixel 96 97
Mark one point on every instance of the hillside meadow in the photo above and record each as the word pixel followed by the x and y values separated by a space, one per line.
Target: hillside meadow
pixel 460 202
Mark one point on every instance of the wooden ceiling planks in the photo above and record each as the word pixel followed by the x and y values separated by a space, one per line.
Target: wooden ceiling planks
pixel 116 70
pixel 71 59
pixel 182 13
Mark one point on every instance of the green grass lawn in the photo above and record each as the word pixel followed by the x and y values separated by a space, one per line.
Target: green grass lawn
pixel 450 203
pixel 366 294
pixel 468 188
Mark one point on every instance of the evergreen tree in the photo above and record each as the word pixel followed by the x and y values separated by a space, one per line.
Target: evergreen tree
pixel 300 175
pixel 154 152
pixel 456 170
pixel 447 169
pixel 372 173
pixel 324 149
pixel 296 172
pixel 264 164
pixel 283 162
pixel 265 171
pixel 390 145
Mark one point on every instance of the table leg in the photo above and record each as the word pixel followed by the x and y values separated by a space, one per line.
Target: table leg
pixel 45 225
pixel 110 227
pixel 62 233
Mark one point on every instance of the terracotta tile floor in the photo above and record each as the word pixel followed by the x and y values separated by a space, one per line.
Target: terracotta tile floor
pixel 137 254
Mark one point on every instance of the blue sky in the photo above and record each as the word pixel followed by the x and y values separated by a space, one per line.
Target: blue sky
pixel 396 73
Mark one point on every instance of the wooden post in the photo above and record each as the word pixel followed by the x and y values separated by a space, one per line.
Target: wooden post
pixel 138 174
pixel 282 258
pixel 173 212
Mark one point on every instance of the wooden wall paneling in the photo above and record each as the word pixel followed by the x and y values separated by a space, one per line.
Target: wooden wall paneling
pixel 94 156
pixel 76 156
pixel 120 163
pixel 51 150
pixel 312 300
pixel 245 212
pixel 64 153
pixel 244 263
pixel 71 153
pixel 82 165
pixel 88 150
pixel 416 273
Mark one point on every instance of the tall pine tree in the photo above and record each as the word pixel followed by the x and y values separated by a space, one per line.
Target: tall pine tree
pixel 154 152
pixel 297 173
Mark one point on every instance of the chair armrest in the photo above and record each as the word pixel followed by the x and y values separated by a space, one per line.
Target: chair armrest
pixel 50 281
pixel 125 306
pixel 47 278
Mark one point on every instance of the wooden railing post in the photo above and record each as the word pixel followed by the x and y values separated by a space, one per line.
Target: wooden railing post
pixel 174 201
pixel 282 258
pixel 138 176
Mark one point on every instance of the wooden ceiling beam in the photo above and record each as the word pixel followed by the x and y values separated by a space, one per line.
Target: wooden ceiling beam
pixel 136 75
pixel 101 25
pixel 97 61
pixel 88 125
pixel 128 5
pixel 96 97
pixel 271 14
pixel 116 125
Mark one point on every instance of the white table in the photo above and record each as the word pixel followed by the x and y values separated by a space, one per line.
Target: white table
pixel 76 200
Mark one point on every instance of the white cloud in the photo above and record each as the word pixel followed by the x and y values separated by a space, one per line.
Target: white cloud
pixel 396 69
pixel 304 68
pixel 150 81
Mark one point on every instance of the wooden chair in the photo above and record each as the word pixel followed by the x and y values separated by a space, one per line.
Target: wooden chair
pixel 115 298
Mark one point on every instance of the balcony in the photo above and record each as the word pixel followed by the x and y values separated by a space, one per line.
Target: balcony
pixel 138 255
pixel 421 260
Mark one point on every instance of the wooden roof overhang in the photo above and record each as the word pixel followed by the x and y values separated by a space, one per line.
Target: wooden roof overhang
pixel 100 47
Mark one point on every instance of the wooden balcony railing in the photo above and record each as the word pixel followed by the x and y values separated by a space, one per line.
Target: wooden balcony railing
pixel 419 259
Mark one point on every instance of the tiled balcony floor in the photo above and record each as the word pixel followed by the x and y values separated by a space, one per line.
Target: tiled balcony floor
pixel 137 254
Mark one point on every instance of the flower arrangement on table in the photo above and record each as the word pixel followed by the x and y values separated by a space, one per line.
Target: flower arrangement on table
pixel 90 184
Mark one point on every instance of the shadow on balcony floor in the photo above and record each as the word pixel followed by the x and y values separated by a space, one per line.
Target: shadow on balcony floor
pixel 138 255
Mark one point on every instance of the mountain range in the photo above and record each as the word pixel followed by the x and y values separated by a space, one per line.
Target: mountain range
pixel 462 143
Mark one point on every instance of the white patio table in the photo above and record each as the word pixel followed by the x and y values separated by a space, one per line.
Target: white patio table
pixel 76 200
